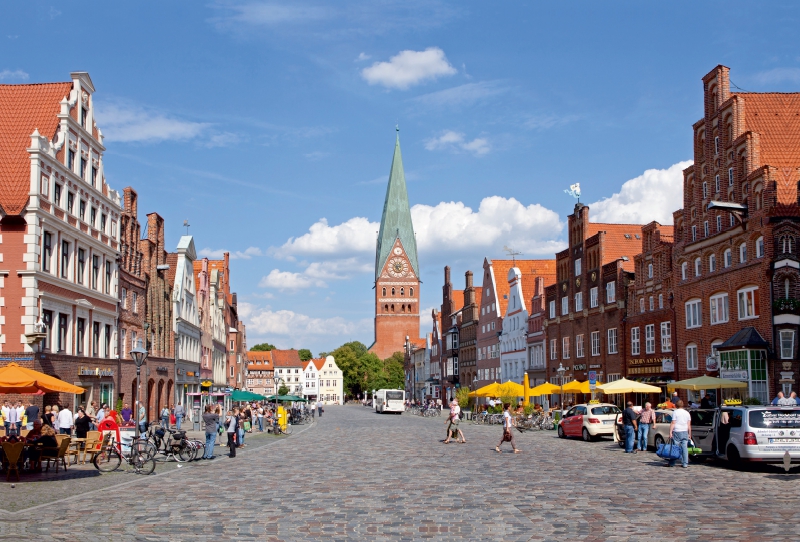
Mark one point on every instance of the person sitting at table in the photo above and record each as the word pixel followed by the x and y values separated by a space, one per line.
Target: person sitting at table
pixel 82 423
pixel 520 408
pixel 43 443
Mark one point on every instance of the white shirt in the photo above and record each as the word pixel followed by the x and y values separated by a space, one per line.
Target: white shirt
pixel 456 412
pixel 100 415
pixel 13 416
pixel 65 420
pixel 681 419
pixel 506 420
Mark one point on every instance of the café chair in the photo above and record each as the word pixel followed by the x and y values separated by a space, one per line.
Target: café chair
pixel 12 452
pixel 57 454
pixel 24 432
pixel 92 446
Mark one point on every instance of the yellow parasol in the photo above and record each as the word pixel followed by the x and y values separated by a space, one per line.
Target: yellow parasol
pixel 489 390
pixel 623 385
pixel 578 387
pixel 705 383
pixel 544 389
pixel 16 379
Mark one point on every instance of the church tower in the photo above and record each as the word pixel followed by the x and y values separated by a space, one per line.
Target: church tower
pixel 396 268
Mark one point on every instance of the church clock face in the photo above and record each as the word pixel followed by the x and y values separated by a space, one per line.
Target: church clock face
pixel 398 267
pixel 398 251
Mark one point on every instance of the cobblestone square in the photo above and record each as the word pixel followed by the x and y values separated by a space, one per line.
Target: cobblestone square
pixel 358 475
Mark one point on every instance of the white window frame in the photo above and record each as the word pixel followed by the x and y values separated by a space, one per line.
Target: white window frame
pixel 650 339
pixel 727 258
pixel 553 349
pixel 705 190
pixel 564 347
pixel 595 338
pixel 716 184
pixel 578 301
pixel 666 336
pixel 786 342
pixel 579 348
pixel 612 340
pixel 684 270
pixel 660 301
pixel 635 341
pixel 691 357
pixel 593 297
pixel 719 308
pixel 706 230
pixel 577 267
pixel 712 263
pixel 694 314
pixel 694 233
pixel 611 292
pixel 760 247
pixel 698 267
pixel 746 303
pixel 553 309
pixel 564 306
pixel 743 253
pixel 719 223
pixel 641 304
pixel 650 270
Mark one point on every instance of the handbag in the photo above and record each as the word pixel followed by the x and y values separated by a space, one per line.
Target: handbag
pixel 669 451
pixel 506 435
pixel 246 426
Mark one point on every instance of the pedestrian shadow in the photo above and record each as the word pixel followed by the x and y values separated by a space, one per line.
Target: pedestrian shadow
pixel 35 478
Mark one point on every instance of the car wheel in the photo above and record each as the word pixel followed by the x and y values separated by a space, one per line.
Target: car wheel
pixel 586 436
pixel 658 441
pixel 561 432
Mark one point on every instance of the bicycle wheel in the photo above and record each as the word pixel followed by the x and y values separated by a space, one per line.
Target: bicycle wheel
pixel 288 430
pixel 143 464
pixel 108 460
pixel 185 453
pixel 145 448
pixel 199 449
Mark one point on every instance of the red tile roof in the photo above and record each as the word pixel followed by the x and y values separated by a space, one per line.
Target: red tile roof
pixel 774 116
pixel 286 358
pixel 260 357
pixel 319 363
pixel 530 269
pixel 23 109
pixel 478 295
pixel 620 240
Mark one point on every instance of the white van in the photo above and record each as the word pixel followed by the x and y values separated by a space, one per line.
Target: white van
pixel 757 433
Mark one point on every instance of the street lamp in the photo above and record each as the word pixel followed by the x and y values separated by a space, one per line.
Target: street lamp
pixel 475 385
pixel 138 355
pixel 561 370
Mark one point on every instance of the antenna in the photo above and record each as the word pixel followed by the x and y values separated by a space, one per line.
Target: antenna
pixel 511 252
pixel 186 225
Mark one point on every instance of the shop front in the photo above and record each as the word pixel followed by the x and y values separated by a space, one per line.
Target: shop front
pixel 98 382
pixel 656 371
pixel 187 382
pixel 744 357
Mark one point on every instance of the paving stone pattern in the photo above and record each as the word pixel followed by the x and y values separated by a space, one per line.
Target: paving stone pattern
pixel 357 475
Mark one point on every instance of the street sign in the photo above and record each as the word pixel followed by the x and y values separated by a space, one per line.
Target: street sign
pixel 592 380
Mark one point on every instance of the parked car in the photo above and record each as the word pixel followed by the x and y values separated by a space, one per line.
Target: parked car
pixel 702 430
pixel 589 421
pixel 757 433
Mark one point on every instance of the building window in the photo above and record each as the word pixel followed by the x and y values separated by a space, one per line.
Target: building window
pixel 93 217
pixel 691 357
pixel 684 270
pixel 728 258
pixel 47 318
pixel 47 250
pixel 611 292
pixel 134 303
pixel 635 344
pixel 107 337
pixel 716 184
pixel 564 305
pixel 64 260
pixel 81 336
pixel 411 292
pixel 786 244
pixel 705 190
pixel 579 353
pixel 649 270
pixel 706 230
pixel 108 278
pixel 716 145
pixel 71 160
pixel 552 309
pixel 577 267
pixel 82 210
pixel 660 301
pixel 694 233
pixel 593 297
pixel 719 308
pixel 62 332
pixel 748 302
pixel 719 224
pixel 94 177
pixel 103 219
pixel 565 347
pixel 650 339
pixel 579 302
pixel 712 263
pixel 641 304
pixel 787 343
pixel 124 298
pixel 730 176
pixel 95 271
pixel 612 341
pixel 84 168
pixel 666 336
pixel 553 352
pixel 57 194
pixel 95 339
pixel 693 314
pixel 743 253
pixel 652 303
pixel 759 247
pixel 81 265
pixel 595 343
pixel 70 201
pixel 732 220
pixel 698 267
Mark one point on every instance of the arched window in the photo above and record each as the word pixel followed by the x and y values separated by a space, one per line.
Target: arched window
pixel 743 253
pixel 712 263
pixel 402 291
pixel 759 247
pixel 411 292
pixel 392 307
pixel 786 244
pixel 698 266
pixel 727 258
pixel 386 308
pixel 383 292
pixel 402 308
pixel 392 291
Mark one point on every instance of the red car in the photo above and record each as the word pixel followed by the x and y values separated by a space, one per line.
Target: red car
pixel 589 421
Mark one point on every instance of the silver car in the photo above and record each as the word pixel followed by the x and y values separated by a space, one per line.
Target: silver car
pixel 758 433
pixel 702 430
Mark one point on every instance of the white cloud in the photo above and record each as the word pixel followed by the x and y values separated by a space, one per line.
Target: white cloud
pixel 286 280
pixel 455 141
pixel 357 235
pixel 294 328
pixel 127 122
pixel 16 75
pixel 222 139
pixel 462 95
pixel 544 122
pixel 653 195
pixel 235 255
pixel 408 68
pixel 362 57
pixel 778 75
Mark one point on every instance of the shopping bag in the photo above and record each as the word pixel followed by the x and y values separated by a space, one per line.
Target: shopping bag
pixel 246 426
pixel 669 451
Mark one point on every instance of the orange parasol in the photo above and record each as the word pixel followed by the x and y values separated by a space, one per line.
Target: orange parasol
pixel 16 379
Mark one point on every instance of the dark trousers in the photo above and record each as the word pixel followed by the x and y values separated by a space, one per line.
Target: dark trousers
pixel 232 444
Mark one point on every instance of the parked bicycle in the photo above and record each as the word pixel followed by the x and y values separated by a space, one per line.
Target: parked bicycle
pixel 111 456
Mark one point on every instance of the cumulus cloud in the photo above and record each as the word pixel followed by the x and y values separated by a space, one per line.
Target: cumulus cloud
pixel 288 328
pixel 286 280
pixel 456 142
pixel 15 75
pixel 409 68
pixel 778 75
pixel 356 235
pixel 235 255
pixel 362 57
pixel 653 195
pixel 128 122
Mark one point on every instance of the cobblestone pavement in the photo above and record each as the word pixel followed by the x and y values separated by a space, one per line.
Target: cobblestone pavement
pixel 357 475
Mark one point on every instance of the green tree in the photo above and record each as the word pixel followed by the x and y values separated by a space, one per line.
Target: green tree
pixel 462 396
pixel 263 347
pixel 283 390
pixel 305 354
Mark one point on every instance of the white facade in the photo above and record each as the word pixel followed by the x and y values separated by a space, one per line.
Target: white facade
pixel 292 377
pixel 217 307
pixel 513 340
pixel 323 381
pixel 186 322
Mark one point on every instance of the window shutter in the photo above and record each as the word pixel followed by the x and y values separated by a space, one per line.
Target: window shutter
pixel 756 302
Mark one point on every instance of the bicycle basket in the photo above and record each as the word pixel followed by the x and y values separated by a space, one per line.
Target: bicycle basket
pixel 160 432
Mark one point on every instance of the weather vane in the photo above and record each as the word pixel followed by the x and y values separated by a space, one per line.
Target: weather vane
pixel 186 225
pixel 511 252
pixel 574 191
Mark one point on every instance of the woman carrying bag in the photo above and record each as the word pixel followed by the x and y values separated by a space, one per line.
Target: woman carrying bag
pixel 508 436
pixel 231 428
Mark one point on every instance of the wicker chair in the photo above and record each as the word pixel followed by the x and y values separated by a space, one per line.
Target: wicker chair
pixel 60 453
pixel 12 452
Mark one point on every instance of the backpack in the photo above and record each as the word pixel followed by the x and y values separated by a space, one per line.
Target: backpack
pixel 165 412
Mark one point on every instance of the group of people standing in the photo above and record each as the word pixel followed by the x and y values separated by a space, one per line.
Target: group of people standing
pixel 60 419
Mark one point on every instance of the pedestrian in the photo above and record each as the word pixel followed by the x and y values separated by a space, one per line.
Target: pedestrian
pixel 179 414
pixel 319 408
pixel 54 416
pixel 142 418
pixel 12 421
pixel 260 418
pixel 221 430
pixel 101 414
pixel 630 425
pixel 65 421
pixel 32 414
pixel 82 423
pixel 165 417
pixel 231 427
pixel 210 422
pixel 91 410
pixel 314 410
pixel 240 427
pixel 47 417
pixel 647 419
pixel 126 413
pixel 680 433
pixel 508 436
pixel 452 423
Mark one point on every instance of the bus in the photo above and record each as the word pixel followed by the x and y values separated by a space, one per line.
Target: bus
pixel 390 401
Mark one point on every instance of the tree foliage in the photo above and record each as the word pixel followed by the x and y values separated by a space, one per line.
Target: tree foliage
pixel 363 371
pixel 263 347
pixel 283 390
pixel 305 354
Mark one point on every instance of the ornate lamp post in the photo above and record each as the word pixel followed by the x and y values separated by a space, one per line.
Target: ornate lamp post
pixel 138 355
pixel 561 370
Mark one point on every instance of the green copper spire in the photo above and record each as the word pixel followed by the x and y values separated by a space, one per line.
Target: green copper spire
pixel 396 219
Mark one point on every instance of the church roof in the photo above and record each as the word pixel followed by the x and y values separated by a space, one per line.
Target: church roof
pixel 396 218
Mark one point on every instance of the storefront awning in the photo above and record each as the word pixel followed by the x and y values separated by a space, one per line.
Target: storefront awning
pixel 746 337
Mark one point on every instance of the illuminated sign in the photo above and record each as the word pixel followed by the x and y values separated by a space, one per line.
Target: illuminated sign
pixel 97 371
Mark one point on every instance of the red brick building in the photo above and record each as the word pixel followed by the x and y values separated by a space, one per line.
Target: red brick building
pixel 650 353
pixel 452 303
pixel 260 373
pixel 236 369
pixel 585 327
pixel 735 241
pixel 535 338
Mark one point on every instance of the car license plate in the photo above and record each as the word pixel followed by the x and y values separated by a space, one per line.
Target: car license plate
pixel 606 422
pixel 784 441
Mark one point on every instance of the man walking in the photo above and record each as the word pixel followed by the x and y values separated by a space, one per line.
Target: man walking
pixel 65 421
pixel 319 408
pixel 680 433
pixel 12 421
pixel 142 419
pixel 32 414
pixel 647 418
pixel 210 423
pixel 179 413
pixel 629 424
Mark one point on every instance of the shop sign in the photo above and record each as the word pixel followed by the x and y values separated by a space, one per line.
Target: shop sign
pixel 97 371
pixel 595 366
pixel 206 383
pixel 643 366
pixel 162 369
pixel 581 367
pixel 667 365
pixel 712 363
pixel 180 372
pixel 734 375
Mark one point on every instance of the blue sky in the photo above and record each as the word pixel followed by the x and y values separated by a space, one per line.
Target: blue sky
pixel 270 126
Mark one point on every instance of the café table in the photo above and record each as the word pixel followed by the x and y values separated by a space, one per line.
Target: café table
pixel 75 448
